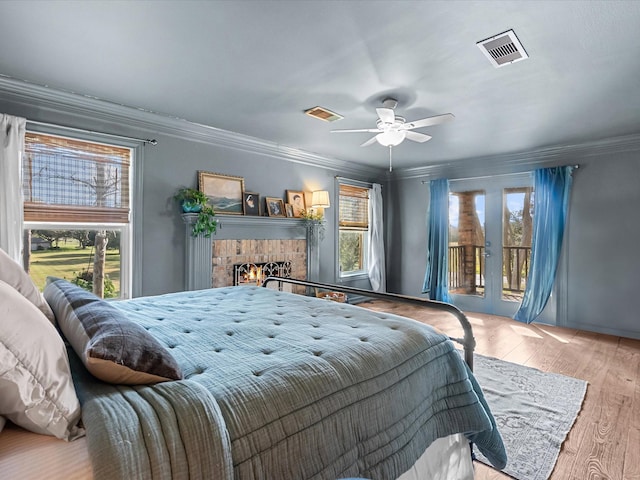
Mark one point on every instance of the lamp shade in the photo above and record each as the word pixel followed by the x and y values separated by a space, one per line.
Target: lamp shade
pixel 320 199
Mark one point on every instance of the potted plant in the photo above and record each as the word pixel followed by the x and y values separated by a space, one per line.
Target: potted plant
pixel 313 220
pixel 194 201
pixel 191 199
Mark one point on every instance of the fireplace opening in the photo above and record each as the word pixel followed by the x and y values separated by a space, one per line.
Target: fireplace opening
pixel 253 274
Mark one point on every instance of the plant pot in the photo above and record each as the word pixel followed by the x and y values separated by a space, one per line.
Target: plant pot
pixel 191 207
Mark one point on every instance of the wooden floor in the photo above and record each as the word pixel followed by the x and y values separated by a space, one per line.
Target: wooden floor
pixel 604 443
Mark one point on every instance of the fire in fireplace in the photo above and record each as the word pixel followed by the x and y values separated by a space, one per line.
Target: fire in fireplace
pixel 255 273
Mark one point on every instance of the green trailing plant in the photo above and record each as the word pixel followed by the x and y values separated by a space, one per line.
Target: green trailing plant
pixel 194 201
pixel 206 223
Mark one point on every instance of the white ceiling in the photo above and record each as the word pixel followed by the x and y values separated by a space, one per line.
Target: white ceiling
pixel 253 67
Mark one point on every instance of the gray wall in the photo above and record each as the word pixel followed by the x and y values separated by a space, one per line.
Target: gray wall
pixel 173 163
pixel 602 246
pixel 600 258
pixel 406 205
pixel 600 253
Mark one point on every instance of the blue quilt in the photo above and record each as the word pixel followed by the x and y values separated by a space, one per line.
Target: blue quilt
pixel 284 387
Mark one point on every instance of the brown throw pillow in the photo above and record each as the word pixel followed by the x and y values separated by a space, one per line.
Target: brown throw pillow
pixel 112 347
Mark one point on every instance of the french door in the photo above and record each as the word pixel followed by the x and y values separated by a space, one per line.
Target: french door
pixel 490 226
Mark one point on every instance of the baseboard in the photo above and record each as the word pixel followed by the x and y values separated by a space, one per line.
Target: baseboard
pixel 356 299
pixel 607 331
pixel 595 328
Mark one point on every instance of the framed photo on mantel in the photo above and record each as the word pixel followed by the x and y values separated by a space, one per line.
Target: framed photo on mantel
pixel 289 209
pixel 275 207
pixel 251 203
pixel 224 192
pixel 296 199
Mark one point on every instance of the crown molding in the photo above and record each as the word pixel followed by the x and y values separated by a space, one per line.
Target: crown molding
pixel 81 106
pixel 117 116
pixel 522 161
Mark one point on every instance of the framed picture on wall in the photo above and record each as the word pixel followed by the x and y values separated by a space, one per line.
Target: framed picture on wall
pixel 275 207
pixel 224 192
pixel 296 199
pixel 251 203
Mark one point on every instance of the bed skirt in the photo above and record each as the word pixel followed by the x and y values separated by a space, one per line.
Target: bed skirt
pixel 27 455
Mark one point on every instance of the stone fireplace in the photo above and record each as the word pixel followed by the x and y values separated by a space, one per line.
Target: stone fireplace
pixel 254 274
pixel 229 253
pixel 209 262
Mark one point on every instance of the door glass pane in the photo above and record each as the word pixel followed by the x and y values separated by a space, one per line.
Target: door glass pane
pixel 517 227
pixel 70 253
pixel 466 243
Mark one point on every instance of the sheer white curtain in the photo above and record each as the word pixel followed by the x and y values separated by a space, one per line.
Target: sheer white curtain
pixel 12 130
pixel 377 271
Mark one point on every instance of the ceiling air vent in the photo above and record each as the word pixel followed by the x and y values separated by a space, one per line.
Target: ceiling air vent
pixel 503 49
pixel 323 114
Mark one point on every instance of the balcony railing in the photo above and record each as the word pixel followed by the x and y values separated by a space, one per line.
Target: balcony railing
pixel 467 269
pixel 515 268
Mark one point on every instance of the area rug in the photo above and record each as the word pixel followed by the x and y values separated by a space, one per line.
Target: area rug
pixel 534 411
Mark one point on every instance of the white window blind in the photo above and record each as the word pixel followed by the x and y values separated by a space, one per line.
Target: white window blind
pixel 68 180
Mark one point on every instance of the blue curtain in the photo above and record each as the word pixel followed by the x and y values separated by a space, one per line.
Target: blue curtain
pixel 551 204
pixel 435 278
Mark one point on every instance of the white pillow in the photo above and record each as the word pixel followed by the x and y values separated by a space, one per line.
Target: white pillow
pixel 13 273
pixel 35 378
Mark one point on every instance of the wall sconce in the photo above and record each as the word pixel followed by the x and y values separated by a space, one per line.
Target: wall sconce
pixel 320 199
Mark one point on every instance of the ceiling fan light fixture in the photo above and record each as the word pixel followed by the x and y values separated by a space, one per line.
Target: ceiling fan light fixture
pixel 391 138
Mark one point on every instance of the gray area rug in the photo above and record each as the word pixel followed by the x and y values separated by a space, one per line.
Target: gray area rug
pixel 534 411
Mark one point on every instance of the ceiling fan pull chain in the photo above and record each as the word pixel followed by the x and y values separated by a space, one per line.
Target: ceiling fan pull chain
pixel 390 159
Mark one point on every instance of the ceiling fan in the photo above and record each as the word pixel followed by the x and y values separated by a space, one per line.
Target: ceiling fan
pixel 392 129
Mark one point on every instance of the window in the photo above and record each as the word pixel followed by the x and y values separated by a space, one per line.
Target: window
pixel 77 213
pixel 353 229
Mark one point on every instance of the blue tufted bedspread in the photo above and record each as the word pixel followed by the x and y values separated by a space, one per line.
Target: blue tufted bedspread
pixel 283 386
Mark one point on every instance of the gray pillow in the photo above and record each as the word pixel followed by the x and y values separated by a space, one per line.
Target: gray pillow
pixel 112 347
pixel 35 378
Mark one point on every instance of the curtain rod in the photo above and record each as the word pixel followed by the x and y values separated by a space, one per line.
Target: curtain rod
pixel 355 183
pixel 576 166
pixel 152 141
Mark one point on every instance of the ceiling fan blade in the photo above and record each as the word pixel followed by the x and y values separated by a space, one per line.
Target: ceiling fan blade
pixel 418 137
pixel 427 122
pixel 371 130
pixel 371 141
pixel 386 115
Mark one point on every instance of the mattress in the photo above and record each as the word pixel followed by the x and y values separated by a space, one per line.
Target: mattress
pixel 282 386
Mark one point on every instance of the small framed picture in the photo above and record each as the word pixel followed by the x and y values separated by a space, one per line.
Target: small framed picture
pixel 251 203
pixel 275 207
pixel 296 199
pixel 224 192
pixel 289 209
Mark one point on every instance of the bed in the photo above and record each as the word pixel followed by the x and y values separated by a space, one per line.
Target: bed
pixel 276 386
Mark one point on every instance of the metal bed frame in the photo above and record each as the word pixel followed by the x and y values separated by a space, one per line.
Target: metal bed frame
pixel 468 342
